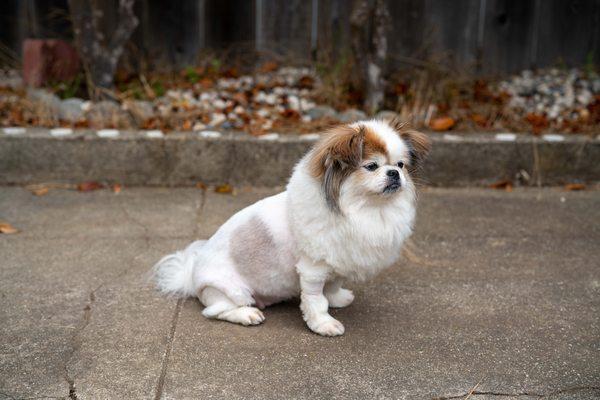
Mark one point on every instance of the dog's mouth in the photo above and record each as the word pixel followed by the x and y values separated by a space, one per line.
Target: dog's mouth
pixel 392 188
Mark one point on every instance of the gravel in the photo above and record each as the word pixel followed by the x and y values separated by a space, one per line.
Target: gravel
pixel 558 94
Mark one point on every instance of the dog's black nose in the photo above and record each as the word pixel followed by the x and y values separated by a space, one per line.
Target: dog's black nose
pixel 392 173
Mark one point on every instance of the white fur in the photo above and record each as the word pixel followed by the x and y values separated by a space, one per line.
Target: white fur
pixel 310 249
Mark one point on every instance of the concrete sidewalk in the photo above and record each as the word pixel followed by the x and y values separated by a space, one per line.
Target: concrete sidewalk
pixel 501 297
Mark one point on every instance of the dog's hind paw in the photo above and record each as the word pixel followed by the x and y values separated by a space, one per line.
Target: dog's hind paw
pixel 243 316
pixel 340 299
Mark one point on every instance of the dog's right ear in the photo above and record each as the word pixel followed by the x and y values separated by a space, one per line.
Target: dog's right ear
pixel 334 157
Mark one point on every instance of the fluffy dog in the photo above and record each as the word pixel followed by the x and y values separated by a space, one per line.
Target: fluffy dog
pixel 348 208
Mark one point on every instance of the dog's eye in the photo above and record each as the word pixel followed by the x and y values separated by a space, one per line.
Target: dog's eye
pixel 372 166
pixel 400 164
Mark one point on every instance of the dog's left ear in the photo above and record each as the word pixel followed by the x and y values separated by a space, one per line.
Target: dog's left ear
pixel 418 143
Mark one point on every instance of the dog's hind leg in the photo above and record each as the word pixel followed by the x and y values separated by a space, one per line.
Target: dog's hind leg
pixel 219 306
pixel 336 295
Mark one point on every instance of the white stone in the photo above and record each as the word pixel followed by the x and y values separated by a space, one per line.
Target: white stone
pixel 217 119
pixel 552 137
pixel 293 102
pixel 310 136
pixel 269 136
pixel 506 137
pixel 14 130
pixel 210 134
pixel 452 138
pixel 220 104
pixel 108 133
pixel 268 124
pixel 262 113
pixel 155 134
pixel 57 132
pixel 198 126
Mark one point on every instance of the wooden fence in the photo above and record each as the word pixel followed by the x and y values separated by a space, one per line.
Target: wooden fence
pixel 484 36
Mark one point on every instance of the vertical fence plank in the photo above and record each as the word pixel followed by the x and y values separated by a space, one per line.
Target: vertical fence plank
pixel 508 35
pixel 287 27
pixel 569 32
pixel 516 34
pixel 229 23
pixel 411 36
pixel 333 31
pixel 453 29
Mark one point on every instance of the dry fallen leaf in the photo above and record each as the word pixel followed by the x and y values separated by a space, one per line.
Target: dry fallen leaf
pixel 89 186
pixel 538 122
pixel 575 186
pixel 269 66
pixel 224 189
pixel 7 228
pixel 116 188
pixel 442 123
pixel 479 119
pixel 187 125
pixel 40 191
pixel 306 82
pixel 504 184
pixel 206 83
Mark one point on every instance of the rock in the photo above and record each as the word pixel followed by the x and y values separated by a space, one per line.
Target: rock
pixel 71 110
pixel 219 104
pixel 47 60
pixel 49 102
pixel 140 110
pixel 351 115
pixel 319 112
pixel 263 113
pixel 11 79
pixel 294 102
pixel 217 119
pixel 386 115
pixel 198 126
pixel 108 114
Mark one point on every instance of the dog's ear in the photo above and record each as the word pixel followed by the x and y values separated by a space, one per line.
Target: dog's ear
pixel 418 143
pixel 334 157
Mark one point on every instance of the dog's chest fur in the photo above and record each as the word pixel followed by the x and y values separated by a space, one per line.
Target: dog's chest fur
pixel 359 243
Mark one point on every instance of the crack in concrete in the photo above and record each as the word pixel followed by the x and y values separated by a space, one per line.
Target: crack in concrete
pixel 474 393
pixel 537 170
pixel 199 209
pixel 87 315
pixel 146 234
pixel 167 353
pixel 8 396
pixel 87 310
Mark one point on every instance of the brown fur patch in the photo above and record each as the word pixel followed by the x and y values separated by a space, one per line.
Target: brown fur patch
pixel 418 143
pixel 373 144
pixel 342 144
pixel 334 158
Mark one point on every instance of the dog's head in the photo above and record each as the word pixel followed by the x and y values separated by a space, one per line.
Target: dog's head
pixel 367 160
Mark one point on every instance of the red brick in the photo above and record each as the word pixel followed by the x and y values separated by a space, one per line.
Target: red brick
pixel 46 60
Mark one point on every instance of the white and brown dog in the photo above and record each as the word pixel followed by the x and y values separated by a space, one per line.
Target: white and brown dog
pixel 348 208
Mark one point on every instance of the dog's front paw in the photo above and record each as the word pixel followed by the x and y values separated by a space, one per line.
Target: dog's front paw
pixel 340 299
pixel 327 327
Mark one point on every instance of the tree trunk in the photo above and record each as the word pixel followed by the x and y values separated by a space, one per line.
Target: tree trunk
pixel 369 23
pixel 100 53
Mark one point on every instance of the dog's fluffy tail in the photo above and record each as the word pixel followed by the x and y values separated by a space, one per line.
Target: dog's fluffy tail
pixel 174 274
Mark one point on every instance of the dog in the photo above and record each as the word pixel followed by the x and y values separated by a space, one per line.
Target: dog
pixel 344 216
